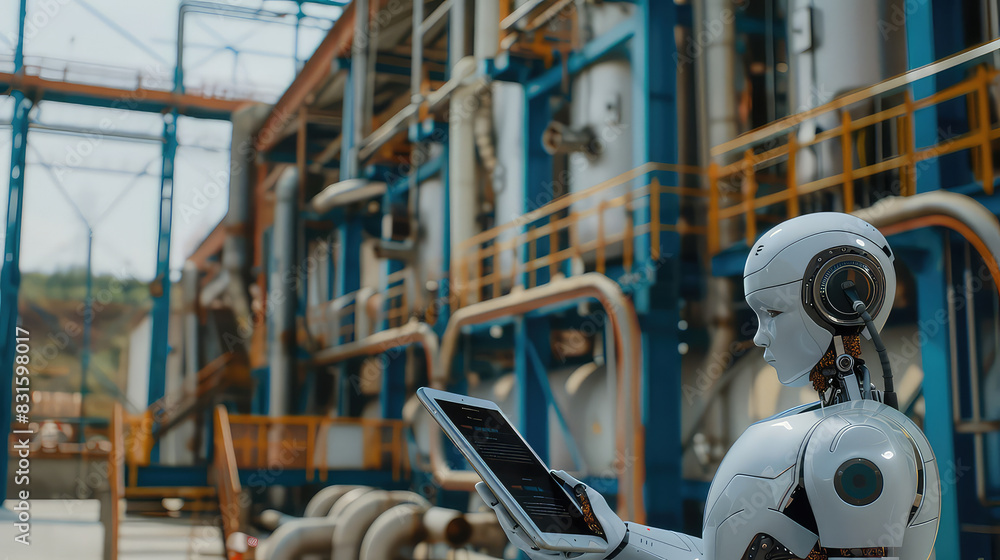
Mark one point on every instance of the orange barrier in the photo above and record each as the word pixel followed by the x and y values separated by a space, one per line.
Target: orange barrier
pixel 302 442
pixel 491 263
pixel 775 149
pixel 227 478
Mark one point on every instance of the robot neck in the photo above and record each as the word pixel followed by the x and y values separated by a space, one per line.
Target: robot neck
pixel 841 374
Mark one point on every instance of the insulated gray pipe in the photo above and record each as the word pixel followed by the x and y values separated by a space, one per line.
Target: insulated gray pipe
pixel 348 499
pixel 281 293
pixel 355 519
pixel 975 216
pixel 304 536
pixel 292 540
pixel 398 528
pixel 321 503
pixel 271 519
pixel 189 283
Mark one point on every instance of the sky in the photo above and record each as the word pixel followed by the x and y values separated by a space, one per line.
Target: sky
pixel 76 183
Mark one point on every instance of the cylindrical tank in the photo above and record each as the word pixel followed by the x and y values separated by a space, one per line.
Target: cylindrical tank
pixel 602 104
pixel 508 126
pixel 430 242
pixel 825 62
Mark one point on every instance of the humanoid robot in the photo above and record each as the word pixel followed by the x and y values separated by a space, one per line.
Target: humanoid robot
pixel 847 476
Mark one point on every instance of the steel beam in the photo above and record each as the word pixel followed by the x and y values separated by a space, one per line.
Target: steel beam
pixel 654 139
pixel 139 99
pixel 161 296
pixel 337 42
pixel 10 275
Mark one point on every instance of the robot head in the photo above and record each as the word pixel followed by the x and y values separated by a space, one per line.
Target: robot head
pixel 792 281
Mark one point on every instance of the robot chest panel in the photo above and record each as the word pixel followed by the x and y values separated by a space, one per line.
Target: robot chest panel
pixel 758 471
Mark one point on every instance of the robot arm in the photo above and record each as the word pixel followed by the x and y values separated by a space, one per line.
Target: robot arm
pixel 626 541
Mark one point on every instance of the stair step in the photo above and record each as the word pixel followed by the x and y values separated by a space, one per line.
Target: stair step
pixel 159 492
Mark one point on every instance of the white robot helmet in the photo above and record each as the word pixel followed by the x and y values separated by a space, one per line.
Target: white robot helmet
pixel 793 281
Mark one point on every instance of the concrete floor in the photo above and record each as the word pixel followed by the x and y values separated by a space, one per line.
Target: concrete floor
pixel 71 530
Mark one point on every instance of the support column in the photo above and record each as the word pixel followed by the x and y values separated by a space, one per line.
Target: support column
pixel 654 87
pixel 348 280
pixel 920 51
pixel 533 409
pixel 10 274
pixel 161 283
pixel 932 297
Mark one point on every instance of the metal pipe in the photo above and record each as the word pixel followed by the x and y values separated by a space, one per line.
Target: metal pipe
pixel 464 192
pixel 417 54
pixel 958 212
pixel 627 335
pixel 212 8
pixel 281 292
pixel 487 30
pixel 398 122
pixel 446 525
pixel 321 503
pixel 399 527
pixel 349 498
pixel 346 192
pixel 291 540
pixel 245 121
pixel 355 520
pixel 91 133
pixel 359 63
pixel 271 519
pixel 414 332
pixel 189 285
pixel 486 531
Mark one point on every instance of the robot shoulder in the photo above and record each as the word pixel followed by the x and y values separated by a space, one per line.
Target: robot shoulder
pixel 866 476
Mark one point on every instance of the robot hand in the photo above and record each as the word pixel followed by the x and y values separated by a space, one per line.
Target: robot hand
pixel 614 528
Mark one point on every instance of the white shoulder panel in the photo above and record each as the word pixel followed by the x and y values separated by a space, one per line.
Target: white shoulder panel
pixel 860 473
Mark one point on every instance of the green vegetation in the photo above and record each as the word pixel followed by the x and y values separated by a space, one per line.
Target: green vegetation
pixel 71 285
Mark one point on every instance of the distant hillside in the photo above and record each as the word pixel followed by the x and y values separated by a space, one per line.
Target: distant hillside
pixel 71 285
pixel 52 309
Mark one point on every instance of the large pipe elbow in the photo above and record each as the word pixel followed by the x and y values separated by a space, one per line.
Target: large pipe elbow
pixel 323 501
pixel 414 332
pixel 625 324
pixel 954 211
pixel 400 527
pixel 355 520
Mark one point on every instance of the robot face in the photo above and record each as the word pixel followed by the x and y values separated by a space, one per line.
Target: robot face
pixel 790 338
pixel 792 281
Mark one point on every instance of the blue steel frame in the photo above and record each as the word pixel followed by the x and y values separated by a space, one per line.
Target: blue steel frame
pixel 651 52
pixel 10 274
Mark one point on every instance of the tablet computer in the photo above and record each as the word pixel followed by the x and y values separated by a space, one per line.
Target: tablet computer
pixel 541 504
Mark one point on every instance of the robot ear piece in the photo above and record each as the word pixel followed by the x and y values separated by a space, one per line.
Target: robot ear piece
pixel 824 296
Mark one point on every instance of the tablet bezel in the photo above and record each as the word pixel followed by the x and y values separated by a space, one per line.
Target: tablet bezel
pixel 569 542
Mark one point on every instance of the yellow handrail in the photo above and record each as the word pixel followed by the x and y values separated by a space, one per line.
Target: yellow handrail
pixel 777 144
pixel 227 478
pixel 479 263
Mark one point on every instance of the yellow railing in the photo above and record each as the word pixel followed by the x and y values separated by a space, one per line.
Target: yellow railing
pixel 227 478
pixel 491 263
pixel 773 150
pixel 116 475
pixel 395 302
pixel 306 442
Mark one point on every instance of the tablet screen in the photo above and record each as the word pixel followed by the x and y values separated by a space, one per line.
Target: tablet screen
pixel 510 459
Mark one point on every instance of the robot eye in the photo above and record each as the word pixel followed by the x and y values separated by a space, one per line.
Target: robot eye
pixel 773 312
